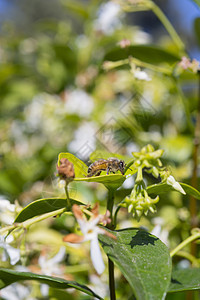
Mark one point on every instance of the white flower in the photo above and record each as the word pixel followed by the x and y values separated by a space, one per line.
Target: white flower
pixel 7 211
pixel 84 139
pixel 78 102
pixel 141 75
pixel 160 232
pixel 108 17
pixel 9 252
pixel 50 266
pixel 171 181
pixel 16 291
pixel 90 232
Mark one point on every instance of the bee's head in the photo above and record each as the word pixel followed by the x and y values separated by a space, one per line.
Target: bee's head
pixel 121 166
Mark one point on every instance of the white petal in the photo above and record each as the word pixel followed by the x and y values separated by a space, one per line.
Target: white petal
pixel 59 256
pixel 156 231
pixel 14 254
pixel 171 181
pixel 96 256
pixel 179 188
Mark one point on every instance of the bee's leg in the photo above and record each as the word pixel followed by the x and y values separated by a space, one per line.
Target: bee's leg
pixel 108 171
pixel 98 173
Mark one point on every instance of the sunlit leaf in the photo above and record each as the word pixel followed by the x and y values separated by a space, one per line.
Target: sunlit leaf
pixel 42 206
pixel 164 188
pixel 185 280
pixel 9 276
pixel 112 181
pixel 143 259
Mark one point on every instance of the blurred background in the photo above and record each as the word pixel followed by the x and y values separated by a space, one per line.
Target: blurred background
pixel 58 95
pixel 55 96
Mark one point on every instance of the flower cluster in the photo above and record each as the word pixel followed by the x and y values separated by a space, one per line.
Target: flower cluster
pixel 140 202
pixel 148 158
pixel 187 64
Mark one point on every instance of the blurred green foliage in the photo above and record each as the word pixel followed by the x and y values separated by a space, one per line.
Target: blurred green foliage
pixel 57 94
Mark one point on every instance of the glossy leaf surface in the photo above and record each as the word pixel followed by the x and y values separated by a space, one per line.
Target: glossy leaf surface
pixel 112 181
pixel 143 259
pixel 164 188
pixel 185 280
pixel 147 53
pixel 42 206
pixel 9 276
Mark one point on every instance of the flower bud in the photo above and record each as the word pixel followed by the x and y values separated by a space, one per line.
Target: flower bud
pixel 65 170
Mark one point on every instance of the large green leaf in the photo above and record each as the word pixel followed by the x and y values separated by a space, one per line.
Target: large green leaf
pixel 42 206
pixel 185 280
pixel 9 276
pixel 197 29
pixel 112 181
pixel 164 188
pixel 147 53
pixel 143 259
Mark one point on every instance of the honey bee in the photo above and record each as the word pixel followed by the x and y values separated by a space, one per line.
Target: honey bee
pixel 110 165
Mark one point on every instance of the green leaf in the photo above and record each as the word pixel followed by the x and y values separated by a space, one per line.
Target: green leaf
pixel 185 280
pixel 143 259
pixel 164 188
pixel 146 53
pixel 190 190
pixel 80 168
pixel 42 206
pixel 9 276
pixel 197 29
pixel 112 181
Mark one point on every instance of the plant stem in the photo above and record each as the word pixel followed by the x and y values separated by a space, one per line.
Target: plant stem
pixel 26 224
pixel 111 279
pixel 190 239
pixel 168 26
pixel 67 197
pixel 110 204
pixel 194 180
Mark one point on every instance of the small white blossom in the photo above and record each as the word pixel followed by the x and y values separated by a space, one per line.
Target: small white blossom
pixel 16 291
pixel 171 181
pixel 108 17
pixel 78 102
pixel 141 75
pixel 84 139
pixel 159 231
pixel 7 211
pixel 90 232
pixel 9 252
pixel 50 266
